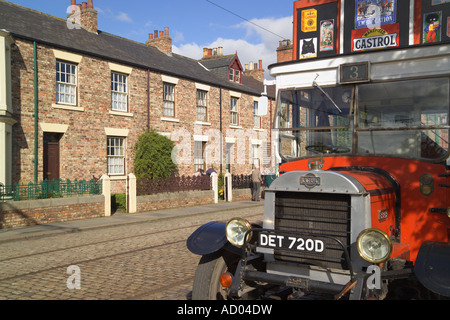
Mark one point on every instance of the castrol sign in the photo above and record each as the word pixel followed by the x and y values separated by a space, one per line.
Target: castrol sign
pixel 376 38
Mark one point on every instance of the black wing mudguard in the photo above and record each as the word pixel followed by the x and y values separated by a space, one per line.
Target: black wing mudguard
pixel 210 238
pixel 432 267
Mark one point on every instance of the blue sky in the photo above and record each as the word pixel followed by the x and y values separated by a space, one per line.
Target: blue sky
pixel 193 24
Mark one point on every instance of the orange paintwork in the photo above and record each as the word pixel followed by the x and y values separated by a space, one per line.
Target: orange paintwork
pixel 418 223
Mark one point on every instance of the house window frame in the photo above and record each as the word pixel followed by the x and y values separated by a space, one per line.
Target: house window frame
pixel 234 75
pixel 169 99
pixel 199 155
pixel 234 111
pixel 66 80
pixel 115 153
pixel 256 155
pixel 202 105
pixel 256 117
pixel 237 76
pixel 119 81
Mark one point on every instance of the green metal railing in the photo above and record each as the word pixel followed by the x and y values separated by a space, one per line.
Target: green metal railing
pixel 50 189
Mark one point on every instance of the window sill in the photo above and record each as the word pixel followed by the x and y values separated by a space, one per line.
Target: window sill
pixel 258 129
pixel 67 107
pixel 202 123
pixel 118 177
pixel 232 126
pixel 170 119
pixel 121 113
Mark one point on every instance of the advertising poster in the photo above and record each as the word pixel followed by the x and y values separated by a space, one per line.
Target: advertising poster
pixel 432 27
pixel 375 38
pixel 308 48
pixel 327 35
pixel 375 13
pixel 436 2
pixel 309 20
pixel 448 27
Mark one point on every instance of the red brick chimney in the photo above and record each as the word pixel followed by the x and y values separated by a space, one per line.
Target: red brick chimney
pixel 84 14
pixel 255 70
pixel 160 40
pixel 285 51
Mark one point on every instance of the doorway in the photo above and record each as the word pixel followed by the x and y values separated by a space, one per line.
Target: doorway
pixel 51 156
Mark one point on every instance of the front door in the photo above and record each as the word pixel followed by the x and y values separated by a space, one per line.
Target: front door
pixel 51 156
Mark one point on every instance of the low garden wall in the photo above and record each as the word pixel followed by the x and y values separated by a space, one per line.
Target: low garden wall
pixel 15 214
pixel 65 207
pixel 170 200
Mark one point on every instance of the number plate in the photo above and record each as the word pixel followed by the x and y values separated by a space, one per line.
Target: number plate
pixel 354 73
pixel 305 244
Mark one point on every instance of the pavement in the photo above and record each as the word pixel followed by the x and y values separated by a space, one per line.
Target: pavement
pixel 117 219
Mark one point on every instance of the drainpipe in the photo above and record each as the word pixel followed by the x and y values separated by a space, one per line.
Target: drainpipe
pixel 35 114
pixel 148 100
pixel 221 132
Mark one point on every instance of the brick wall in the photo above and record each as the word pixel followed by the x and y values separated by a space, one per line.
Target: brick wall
pixel 285 51
pixel 174 200
pixel 15 214
pixel 83 151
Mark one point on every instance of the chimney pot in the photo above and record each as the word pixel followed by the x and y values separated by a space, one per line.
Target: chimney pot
pixel 88 18
pixel 260 64
pixel 251 65
pixel 73 4
pixel 220 51
pixel 160 40
pixel 209 52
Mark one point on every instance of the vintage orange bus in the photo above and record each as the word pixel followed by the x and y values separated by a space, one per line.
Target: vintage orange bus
pixel 361 208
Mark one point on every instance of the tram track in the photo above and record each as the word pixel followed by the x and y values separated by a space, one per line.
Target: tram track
pixel 109 256
pixel 108 241
pixel 127 261
pixel 93 260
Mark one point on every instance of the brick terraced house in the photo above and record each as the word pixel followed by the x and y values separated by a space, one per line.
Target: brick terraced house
pixel 74 99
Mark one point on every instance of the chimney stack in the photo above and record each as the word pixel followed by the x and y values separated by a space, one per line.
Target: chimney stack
pixel 84 14
pixel 285 51
pixel 209 53
pixel 255 70
pixel 160 40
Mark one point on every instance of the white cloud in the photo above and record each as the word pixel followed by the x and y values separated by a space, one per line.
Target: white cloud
pixel 122 16
pixel 258 44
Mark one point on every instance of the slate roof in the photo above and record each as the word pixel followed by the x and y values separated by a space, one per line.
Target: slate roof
pixel 33 25
pixel 218 62
pixel 219 65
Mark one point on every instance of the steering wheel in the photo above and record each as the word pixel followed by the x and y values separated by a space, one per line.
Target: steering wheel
pixel 327 149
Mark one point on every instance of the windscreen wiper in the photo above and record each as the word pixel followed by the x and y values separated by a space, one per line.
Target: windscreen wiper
pixel 316 85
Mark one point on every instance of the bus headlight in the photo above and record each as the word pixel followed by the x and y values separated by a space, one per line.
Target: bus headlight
pixel 374 245
pixel 235 231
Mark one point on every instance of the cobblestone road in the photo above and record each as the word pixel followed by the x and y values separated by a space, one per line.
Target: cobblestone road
pixel 141 261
